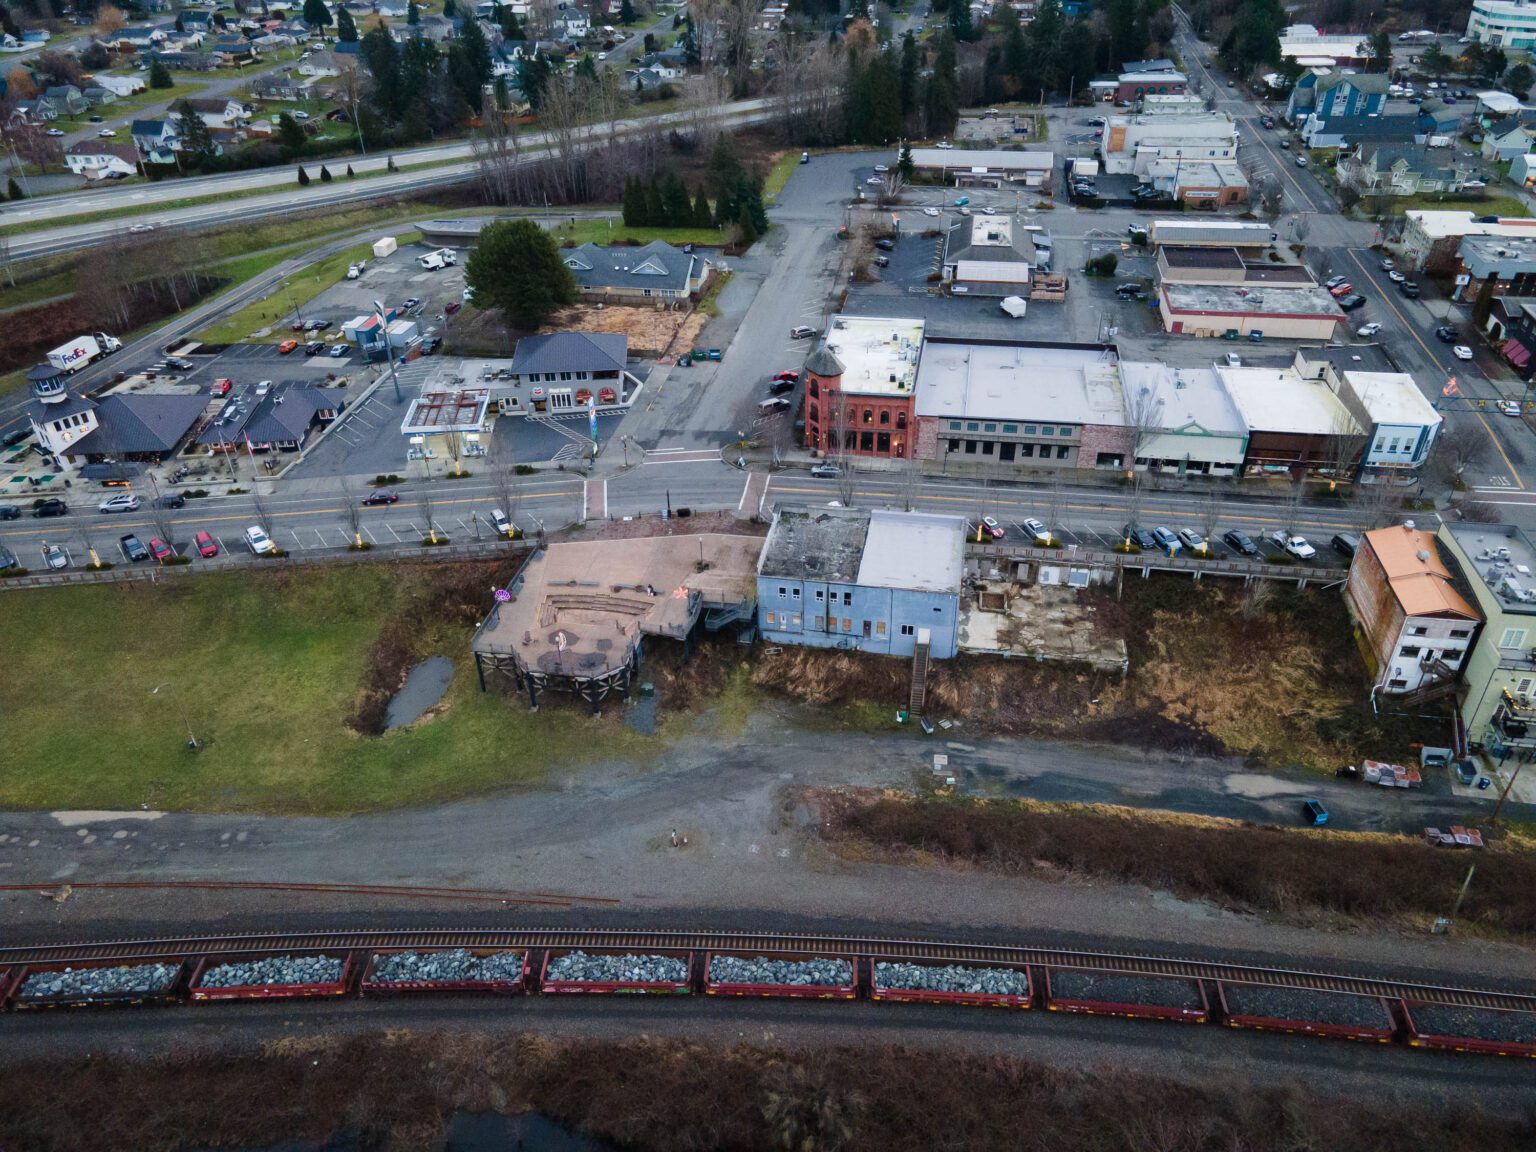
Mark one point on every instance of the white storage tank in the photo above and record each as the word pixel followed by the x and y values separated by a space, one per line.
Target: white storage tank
pixel 384 247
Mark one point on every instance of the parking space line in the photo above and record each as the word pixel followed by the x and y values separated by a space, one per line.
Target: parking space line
pixel 393 533
pixel 298 541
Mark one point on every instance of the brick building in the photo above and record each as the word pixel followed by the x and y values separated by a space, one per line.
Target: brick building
pixel 859 387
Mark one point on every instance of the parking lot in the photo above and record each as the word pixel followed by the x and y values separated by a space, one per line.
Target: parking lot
pixel 1105 537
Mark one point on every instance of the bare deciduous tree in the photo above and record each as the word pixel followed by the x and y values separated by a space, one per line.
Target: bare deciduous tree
pixel 1212 505
pixel 508 488
pixel 424 503
pixel 1376 504
pixel 159 514
pixel 352 512
pixel 1456 447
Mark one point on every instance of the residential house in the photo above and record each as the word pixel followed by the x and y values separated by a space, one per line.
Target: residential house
pixel 859 387
pixel 437 29
pixel 1414 624
pixel 9 43
pixel 1332 92
pixel 1492 108
pixel 1522 171
pixel 1512 142
pixel 273 41
pixel 1511 325
pixel 347 49
pixel 232 51
pixel 323 65
pixel 656 271
pixel 1437 118
pixel 36 111
pixel 98 159
pixel 99 97
pixel 1348 131
pixel 1393 170
pixel 156 140
pixel 885 582
pixel 281 86
pixel 573 24
pixel 194 20
pixel 1497 698
pixel 1020 405
pixel 669 65
pixel 119 85
pixel 645 80
pixel 219 113
pixel 67 100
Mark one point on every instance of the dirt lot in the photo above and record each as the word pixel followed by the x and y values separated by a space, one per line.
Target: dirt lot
pixel 651 331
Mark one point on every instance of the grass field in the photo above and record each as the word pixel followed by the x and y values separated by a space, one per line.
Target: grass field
pixel 270 667
pixel 1477 205
pixel 778 176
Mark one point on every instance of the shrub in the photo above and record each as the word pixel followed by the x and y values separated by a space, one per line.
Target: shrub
pixel 1104 265
pixel 175 561
pixel 1280 558
pixel 355 546
pixel 382 479
pixel 99 566
pixel 525 469
pixel 461 474
pixel 7 573
pixel 195 493
pixel 237 492
pixel 1125 548
pixel 429 542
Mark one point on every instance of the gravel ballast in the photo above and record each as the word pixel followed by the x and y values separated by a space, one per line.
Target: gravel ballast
pixel 951 978
pixel 583 968
pixel 126 980
pixel 819 972
pixel 1474 1023
pixel 1120 988
pixel 279 970
pixel 455 966
pixel 1303 1004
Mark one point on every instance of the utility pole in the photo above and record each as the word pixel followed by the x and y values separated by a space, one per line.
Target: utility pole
pixel 389 355
pixel 1504 795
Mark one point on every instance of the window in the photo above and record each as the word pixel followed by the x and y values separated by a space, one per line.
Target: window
pixel 990 428
pixel 1026 450
pixel 970 447
pixel 768 619
pixel 1062 450
pixel 954 445
pixel 1064 431
pixel 901 419
pixel 794 593
pixel 1393 446
pixel 847 624
pixel 1029 429
pixel 1011 429
pixel 869 415
pixel 1513 638
pixel 883 443
pixel 971 426
pixel 954 425
pixel 1460 633
pixel 795 620
pixel 1410 650
pixel 820 595
pixel 866 442
pixel 908 629
pixel 783 591
pixel 885 415
pixel 1046 430
pixel 1418 630
pixel 1381 443
pixel 821 623
pixel 815 388
pixel 565 375
pixel 814 415
pixel 1006 450
pixel 879 627
pixel 847 599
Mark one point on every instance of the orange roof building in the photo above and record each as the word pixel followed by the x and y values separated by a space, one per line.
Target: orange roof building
pixel 1413 623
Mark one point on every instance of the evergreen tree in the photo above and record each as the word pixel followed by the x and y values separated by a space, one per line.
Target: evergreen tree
pixel 533 74
pixel 198 148
pixel 516 266
pixel 451 9
pixel 634 203
pixel 95 58
pixel 960 21
pixel 346 27
pixel 413 14
pixel 381 56
pixel 679 211
pixel 702 216
pixel 160 76
pixel 690 44
pixel 510 28
pixel 749 200
pixel 943 96
pixel 316 14
pixel 724 172
pixel 746 228
pixel 1381 51
pixel 626 13
pixel 469 63
pixel 655 207
pixel 303 177
pixel 1045 32
pixel 911 65
pixel 13 189
pixel 350 173
pixel 325 174
pixel 1518 80
pixel 1122 22
pixel 1015 63
pixel 1077 56
pixel 586 68
pixel 905 165
pixel 8 22
pixel 290 137
pixel 181 25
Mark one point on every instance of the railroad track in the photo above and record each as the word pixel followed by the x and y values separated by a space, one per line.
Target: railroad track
pixel 764 943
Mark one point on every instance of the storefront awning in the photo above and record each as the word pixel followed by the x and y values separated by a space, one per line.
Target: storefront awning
pixel 1516 353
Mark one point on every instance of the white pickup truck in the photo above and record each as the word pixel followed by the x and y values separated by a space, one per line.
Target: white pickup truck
pixel 1297 546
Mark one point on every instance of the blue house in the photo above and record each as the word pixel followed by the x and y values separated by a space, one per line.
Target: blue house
pixel 1334 93
pixel 860 580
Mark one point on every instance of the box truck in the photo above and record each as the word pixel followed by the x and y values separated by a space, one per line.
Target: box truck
pixel 83 350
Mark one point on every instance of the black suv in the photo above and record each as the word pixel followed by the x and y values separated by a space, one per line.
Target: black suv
pixel 50 507
pixel 1140 537
pixel 1445 334
pixel 1240 542
pixel 1409 289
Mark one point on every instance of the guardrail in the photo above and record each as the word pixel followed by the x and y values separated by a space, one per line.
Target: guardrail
pixel 127 574
pixel 1147 562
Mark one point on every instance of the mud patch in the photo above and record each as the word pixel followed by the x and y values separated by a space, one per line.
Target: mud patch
pixel 423 689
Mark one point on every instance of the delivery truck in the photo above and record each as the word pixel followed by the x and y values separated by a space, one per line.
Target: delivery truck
pixel 83 350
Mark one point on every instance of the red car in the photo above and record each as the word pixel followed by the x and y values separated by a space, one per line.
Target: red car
pixel 451 307
pixel 160 550
pixel 382 498
pixel 1342 290
pixel 790 377
pixel 221 387
pixel 206 545
pixel 286 347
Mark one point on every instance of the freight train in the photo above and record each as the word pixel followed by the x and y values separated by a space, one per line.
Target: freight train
pixel 1261 1003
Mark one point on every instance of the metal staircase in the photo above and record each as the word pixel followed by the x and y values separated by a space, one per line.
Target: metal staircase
pixel 919 693
pixel 719 615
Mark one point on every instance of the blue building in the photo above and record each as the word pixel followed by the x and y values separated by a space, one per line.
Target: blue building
pixel 867 581
pixel 1331 93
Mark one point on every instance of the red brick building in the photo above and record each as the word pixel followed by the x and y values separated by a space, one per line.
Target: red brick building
pixel 859 388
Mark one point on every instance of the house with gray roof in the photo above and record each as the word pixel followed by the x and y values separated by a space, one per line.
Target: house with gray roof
pixel 135 427
pixel 621 274
pixel 1514 141
pixel 1393 170
pixel 562 366
pixel 281 419
pixel 67 99
pixel 1347 131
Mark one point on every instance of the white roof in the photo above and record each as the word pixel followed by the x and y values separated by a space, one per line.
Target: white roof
pixel 997 271
pixel 1501 102
pixel 914 551
pixel 1188 400
pixel 1073 384
pixel 1438 224
pixel 1278 400
pixel 1392 398
pixel 879 355
pixel 962 158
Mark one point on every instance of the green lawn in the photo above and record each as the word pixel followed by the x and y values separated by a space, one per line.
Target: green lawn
pixel 1477 205
pixel 598 232
pixel 269 667
pixel 778 176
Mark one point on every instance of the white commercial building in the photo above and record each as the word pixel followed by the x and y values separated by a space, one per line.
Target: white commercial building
pixel 985 167
pixel 1183 420
pixel 1168 128
pixel 1503 23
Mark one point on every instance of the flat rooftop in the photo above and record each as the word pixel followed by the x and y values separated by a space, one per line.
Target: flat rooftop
pixel 1502 561
pixel 580 607
pixel 1242 300
pixel 1206 259
pixel 1437 224
pixel 879 354
pixel 1498 251
pixel 982 380
pixel 1186 400
pixel 1393 398
pixel 1347 357
pixel 997 159
pixel 1276 400
pixel 435 413
pixel 912 551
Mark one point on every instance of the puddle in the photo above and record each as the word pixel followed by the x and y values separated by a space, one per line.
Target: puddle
pixel 640 714
pixel 423 688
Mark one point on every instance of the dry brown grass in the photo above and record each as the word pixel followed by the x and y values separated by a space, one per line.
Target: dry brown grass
pixel 395 1091
pixel 1257 867
pixel 650 330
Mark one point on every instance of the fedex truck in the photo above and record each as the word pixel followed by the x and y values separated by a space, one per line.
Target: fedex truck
pixel 83 350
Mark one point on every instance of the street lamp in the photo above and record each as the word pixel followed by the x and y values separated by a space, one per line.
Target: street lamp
pixel 389 355
pixel 297 315
pixel 180 707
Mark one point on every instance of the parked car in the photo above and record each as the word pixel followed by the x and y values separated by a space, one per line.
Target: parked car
pixel 714 353
pixel 1510 407
pixel 1333 282
pixel 160 550
pixel 1166 537
pixel 55 132
pixel 774 404
pixel 451 307
pixel 1345 544
pixel 788 374
pixel 51 506
pixel 1192 540
pixel 286 347
pixel 882 261
pixel 1396 277
pixel 801 332
pixel 780 387
pixel 8 559
pixel 1342 288
pixel 931 212
pixel 502 524
pixel 258 541
pixel 411 303
pixel 1301 161
pixel 374 498
pixel 263 387
pixel 55 557
pixel 1297 546
pixel 207 546
pixel 1350 303
pixel 221 387
pixel 132 548
pixel 987 528
pixel 1368 329
pixel 826 471
pixel 1446 334
pixel 314 348
pixel 1036 530
pixel 122 502
pixel 1139 537
pixel 1387 264
pixel 1461 352
pixel 9 512
pixel 1409 289
pixel 885 244
pixel 1240 542
pixel 338 350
